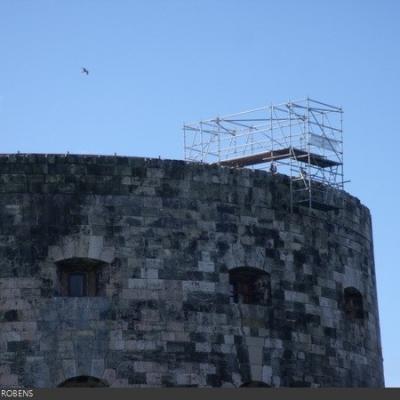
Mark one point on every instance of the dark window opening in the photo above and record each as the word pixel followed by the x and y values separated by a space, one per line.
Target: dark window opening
pixel 254 384
pixel 353 304
pixel 299 384
pixel 83 381
pixel 81 277
pixel 77 284
pixel 250 286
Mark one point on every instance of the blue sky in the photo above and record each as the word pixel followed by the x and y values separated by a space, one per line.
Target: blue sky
pixel 155 64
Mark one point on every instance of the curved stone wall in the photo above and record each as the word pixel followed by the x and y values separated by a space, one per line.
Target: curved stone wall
pixel 167 234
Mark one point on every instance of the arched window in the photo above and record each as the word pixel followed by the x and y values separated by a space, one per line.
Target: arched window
pixel 81 277
pixel 83 381
pixel 254 384
pixel 353 303
pixel 250 285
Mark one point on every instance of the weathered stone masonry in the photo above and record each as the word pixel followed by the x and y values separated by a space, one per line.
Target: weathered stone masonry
pixel 167 234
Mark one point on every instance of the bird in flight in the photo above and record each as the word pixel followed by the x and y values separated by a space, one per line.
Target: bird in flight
pixel 84 71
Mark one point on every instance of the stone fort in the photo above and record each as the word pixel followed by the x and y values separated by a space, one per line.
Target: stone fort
pixel 135 272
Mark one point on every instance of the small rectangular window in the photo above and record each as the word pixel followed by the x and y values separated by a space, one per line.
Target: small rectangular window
pixel 81 277
pixel 250 285
pixel 77 285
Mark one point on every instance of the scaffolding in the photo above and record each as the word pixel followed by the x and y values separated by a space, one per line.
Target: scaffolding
pixel 302 139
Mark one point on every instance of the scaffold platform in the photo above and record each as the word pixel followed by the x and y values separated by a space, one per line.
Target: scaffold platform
pixel 276 155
